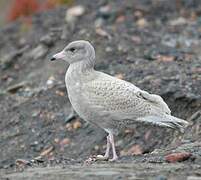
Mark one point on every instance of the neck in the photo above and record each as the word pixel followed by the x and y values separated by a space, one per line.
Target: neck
pixel 78 69
pixel 82 66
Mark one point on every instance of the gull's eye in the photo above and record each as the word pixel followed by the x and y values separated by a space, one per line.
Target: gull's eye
pixel 72 49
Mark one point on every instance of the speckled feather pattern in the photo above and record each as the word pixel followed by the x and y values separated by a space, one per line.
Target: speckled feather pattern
pixel 107 102
pixel 111 103
pixel 116 96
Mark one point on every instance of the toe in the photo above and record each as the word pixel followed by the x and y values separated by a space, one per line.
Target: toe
pixel 113 159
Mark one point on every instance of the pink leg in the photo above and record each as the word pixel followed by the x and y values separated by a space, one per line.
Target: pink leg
pixel 110 142
pixel 111 138
pixel 107 152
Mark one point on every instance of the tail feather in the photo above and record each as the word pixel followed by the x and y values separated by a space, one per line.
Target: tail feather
pixel 166 121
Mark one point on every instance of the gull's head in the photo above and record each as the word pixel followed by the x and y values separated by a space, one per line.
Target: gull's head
pixel 76 51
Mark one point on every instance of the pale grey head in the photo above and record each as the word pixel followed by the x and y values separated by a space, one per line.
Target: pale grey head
pixel 76 51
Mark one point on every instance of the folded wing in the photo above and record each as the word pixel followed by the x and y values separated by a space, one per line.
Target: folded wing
pixel 121 100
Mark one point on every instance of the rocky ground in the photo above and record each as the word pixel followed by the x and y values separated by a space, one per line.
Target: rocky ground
pixel 153 44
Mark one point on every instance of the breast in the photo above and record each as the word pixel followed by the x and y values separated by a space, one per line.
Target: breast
pixel 74 89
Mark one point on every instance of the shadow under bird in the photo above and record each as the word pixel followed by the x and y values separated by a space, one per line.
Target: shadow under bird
pixel 110 103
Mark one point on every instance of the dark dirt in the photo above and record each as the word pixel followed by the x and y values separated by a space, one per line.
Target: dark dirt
pixel 154 44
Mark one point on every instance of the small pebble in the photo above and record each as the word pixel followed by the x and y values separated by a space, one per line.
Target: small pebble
pixel 77 124
pixel 101 158
pixel 177 157
pixel 142 23
pixel 161 177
